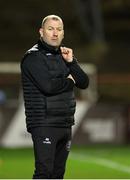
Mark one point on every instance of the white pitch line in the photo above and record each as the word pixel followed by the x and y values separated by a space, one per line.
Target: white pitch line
pixel 100 161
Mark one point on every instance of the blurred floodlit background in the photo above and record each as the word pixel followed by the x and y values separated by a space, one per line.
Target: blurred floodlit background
pixel 99 33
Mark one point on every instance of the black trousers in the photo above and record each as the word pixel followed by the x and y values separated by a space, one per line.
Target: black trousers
pixel 51 149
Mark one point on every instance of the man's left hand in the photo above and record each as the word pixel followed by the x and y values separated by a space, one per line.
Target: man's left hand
pixel 67 54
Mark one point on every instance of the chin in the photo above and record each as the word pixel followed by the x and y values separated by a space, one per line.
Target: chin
pixel 55 44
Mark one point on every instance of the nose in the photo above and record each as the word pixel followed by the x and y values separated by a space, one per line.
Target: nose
pixel 55 33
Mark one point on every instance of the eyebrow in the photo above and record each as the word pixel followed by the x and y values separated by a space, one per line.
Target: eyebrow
pixel 56 27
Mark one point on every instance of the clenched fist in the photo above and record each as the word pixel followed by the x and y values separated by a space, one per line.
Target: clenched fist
pixel 67 54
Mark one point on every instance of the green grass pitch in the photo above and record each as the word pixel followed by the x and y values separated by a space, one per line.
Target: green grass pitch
pixel 90 162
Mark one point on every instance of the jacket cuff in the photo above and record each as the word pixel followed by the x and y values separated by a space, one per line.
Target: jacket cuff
pixel 73 62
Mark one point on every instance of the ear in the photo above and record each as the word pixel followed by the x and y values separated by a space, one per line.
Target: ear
pixel 41 32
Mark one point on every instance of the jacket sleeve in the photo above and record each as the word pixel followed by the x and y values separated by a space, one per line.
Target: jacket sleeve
pixel 80 77
pixel 33 66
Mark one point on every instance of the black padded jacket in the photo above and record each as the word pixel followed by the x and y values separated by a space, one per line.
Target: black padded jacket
pixel 48 93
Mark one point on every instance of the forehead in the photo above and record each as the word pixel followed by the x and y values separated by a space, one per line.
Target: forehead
pixel 53 23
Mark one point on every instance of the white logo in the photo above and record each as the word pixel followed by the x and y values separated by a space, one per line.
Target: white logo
pixel 48 54
pixel 68 145
pixel 47 141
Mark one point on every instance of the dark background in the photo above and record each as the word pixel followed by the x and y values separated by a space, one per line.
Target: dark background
pixel 97 30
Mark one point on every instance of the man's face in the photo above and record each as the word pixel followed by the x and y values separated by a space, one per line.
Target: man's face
pixel 52 32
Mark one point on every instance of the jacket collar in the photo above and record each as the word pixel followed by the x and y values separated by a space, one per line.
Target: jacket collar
pixel 48 48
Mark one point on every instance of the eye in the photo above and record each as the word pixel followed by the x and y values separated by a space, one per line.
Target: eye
pixel 59 29
pixel 50 28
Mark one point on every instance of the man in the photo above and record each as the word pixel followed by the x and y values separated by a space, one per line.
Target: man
pixel 49 74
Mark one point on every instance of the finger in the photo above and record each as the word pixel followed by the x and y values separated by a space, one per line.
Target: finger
pixel 64 50
pixel 61 48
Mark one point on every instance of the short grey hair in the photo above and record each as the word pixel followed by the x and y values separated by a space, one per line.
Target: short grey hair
pixel 54 17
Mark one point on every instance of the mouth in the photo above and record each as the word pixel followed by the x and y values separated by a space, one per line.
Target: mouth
pixel 54 39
